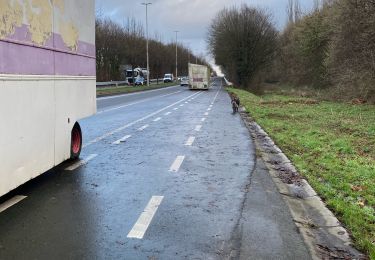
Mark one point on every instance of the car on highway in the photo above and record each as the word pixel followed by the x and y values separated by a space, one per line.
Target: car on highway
pixel 168 78
pixel 184 81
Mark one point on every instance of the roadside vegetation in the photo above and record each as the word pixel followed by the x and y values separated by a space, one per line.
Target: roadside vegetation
pixel 329 50
pixel 333 147
pixel 108 91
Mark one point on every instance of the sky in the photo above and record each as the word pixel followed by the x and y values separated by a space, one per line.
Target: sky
pixel 191 18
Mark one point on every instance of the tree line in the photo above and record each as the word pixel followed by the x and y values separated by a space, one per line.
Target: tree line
pixel 330 49
pixel 118 45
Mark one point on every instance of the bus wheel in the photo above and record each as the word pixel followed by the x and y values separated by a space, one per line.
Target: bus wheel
pixel 76 142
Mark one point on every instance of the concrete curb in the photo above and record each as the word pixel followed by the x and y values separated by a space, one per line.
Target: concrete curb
pixel 322 232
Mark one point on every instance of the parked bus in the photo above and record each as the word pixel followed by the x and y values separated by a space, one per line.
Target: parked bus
pixel 47 84
pixel 199 77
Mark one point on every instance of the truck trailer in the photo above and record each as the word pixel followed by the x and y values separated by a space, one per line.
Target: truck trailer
pixel 199 77
pixel 47 84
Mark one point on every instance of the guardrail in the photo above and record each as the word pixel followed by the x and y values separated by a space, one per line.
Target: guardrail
pixel 121 83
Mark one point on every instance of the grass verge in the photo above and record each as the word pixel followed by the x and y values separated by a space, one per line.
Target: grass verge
pixel 129 89
pixel 333 147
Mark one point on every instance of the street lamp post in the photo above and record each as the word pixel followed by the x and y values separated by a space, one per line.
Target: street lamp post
pixel 176 55
pixel 146 4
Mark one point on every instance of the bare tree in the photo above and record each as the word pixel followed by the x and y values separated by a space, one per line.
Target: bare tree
pixel 294 10
pixel 125 44
pixel 243 42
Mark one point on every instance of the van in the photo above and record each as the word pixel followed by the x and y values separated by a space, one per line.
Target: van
pixel 168 78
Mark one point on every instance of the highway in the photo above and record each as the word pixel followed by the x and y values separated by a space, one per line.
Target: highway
pixel 164 174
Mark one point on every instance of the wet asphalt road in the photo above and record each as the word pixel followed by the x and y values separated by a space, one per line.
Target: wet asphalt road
pixel 183 183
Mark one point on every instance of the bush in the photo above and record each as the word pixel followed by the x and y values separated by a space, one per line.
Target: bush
pixel 353 48
pixel 332 47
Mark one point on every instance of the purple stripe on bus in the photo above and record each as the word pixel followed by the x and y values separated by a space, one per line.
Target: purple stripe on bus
pixel 74 65
pixel 28 60
pixel 22 34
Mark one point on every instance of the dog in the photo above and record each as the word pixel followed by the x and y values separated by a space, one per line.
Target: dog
pixel 235 103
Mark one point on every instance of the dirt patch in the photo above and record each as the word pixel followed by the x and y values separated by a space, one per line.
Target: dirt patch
pixel 288 176
pixel 291 102
pixel 336 253
pixel 278 116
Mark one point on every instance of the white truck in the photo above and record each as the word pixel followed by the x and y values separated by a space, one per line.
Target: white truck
pixel 199 77
pixel 136 75
pixel 47 84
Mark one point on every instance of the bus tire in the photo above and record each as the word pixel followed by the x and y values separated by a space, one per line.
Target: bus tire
pixel 76 142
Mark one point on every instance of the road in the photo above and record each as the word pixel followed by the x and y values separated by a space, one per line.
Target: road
pixel 165 174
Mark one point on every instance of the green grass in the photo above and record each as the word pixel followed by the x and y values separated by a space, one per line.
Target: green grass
pixel 333 147
pixel 130 89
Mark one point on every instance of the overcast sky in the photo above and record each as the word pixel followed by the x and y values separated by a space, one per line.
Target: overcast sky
pixel 191 17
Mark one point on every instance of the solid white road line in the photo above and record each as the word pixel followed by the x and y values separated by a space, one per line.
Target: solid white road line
pixel 135 103
pixel 217 93
pixel 177 164
pixel 203 119
pixel 198 128
pixel 136 121
pixel 11 202
pixel 206 114
pixel 81 162
pixel 126 137
pixel 190 141
pixel 140 227
pixel 168 113
pixel 143 128
pixel 157 119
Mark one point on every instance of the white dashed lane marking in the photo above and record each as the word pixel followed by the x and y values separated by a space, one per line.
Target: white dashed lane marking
pixel 157 119
pixel 206 114
pixel 11 202
pixel 168 113
pixel 198 128
pixel 190 141
pixel 135 103
pixel 143 128
pixel 140 227
pixel 136 121
pixel 81 162
pixel 177 164
pixel 122 140
pixel 176 108
pixel 203 119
